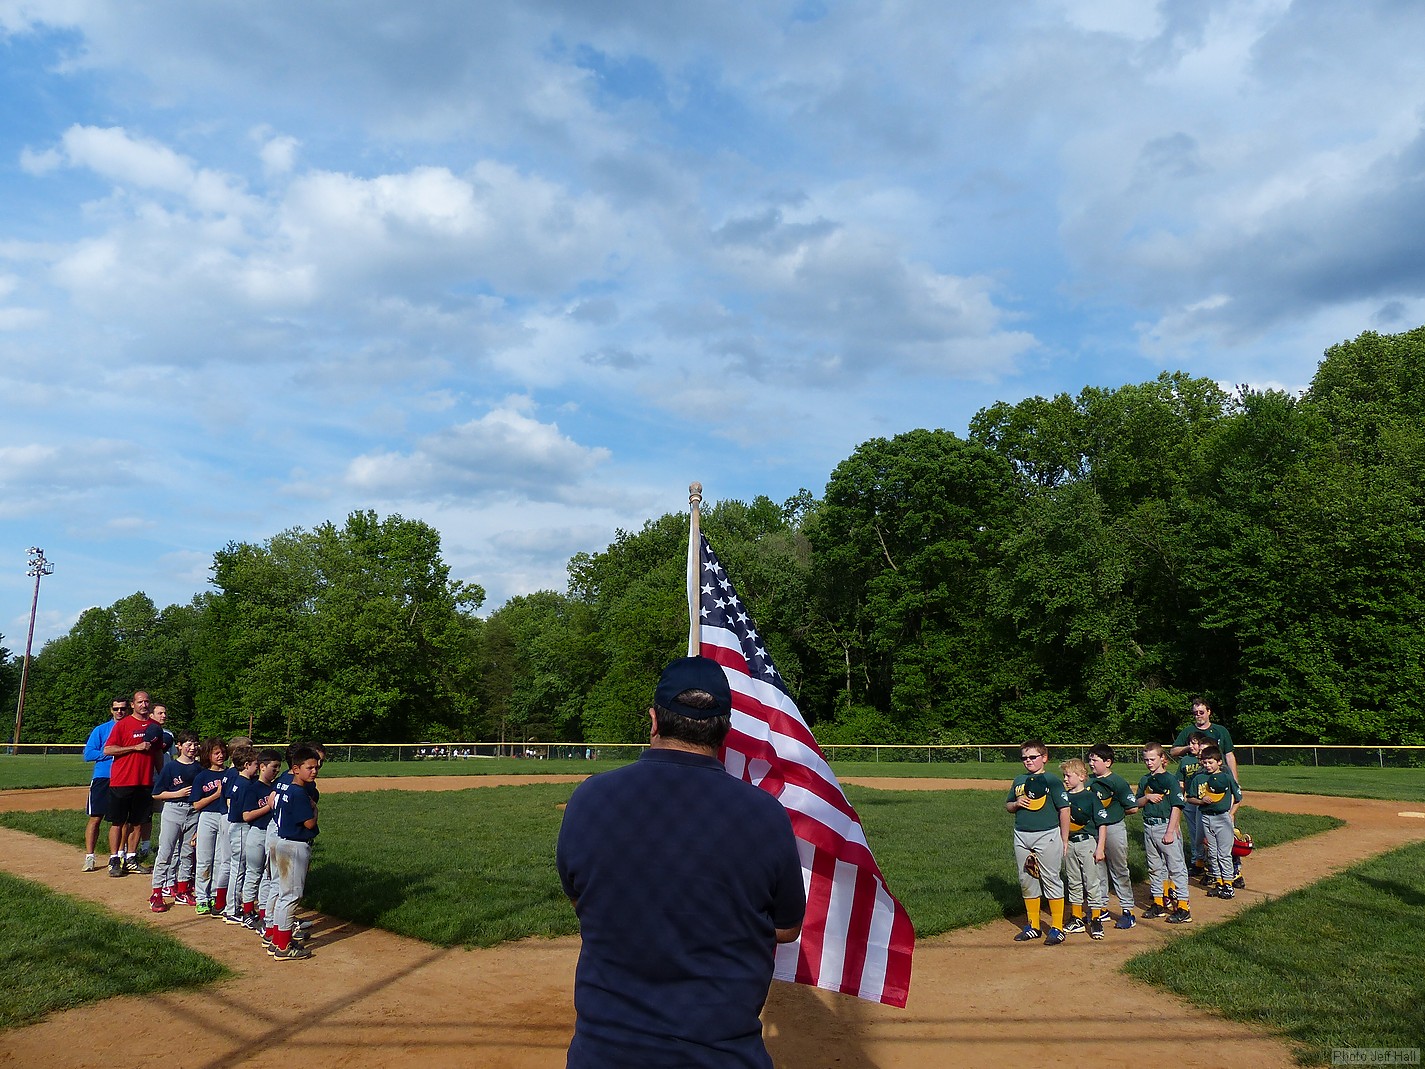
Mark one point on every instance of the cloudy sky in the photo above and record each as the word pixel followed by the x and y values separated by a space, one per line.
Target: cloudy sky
pixel 524 270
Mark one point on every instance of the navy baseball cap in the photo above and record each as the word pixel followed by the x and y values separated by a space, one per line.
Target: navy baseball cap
pixel 153 733
pixel 694 673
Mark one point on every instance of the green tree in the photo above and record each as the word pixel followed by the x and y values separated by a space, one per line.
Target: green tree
pixel 355 632
pixel 904 539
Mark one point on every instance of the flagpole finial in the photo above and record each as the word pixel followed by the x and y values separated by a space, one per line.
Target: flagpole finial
pixel 695 494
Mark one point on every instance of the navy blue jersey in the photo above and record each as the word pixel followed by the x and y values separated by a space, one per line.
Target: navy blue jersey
pixel 294 809
pixel 233 783
pixel 177 776
pixel 253 798
pixel 204 781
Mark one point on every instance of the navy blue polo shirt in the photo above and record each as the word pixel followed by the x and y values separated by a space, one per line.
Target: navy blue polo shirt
pixel 681 874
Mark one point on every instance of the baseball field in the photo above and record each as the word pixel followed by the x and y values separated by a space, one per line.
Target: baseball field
pixel 481 970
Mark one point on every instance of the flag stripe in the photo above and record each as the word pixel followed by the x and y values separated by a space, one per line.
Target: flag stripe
pixel 856 939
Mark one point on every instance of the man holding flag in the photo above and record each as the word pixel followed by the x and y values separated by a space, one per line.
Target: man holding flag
pixel 685 880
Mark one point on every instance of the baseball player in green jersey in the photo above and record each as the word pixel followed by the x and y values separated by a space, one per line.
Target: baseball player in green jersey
pixel 1162 801
pixel 1217 735
pixel 1188 768
pixel 1086 836
pixel 1117 799
pixel 1041 837
pixel 1215 791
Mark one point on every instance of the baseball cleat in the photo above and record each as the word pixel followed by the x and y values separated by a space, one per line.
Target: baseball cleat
pixel 1125 920
pixel 1096 928
pixel 1154 911
pixel 1180 916
pixel 1055 937
pixel 1074 926
pixel 1028 934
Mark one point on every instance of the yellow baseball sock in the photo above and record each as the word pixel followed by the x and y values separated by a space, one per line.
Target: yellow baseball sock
pixel 1056 912
pixel 1077 909
pixel 1031 910
pixel 1097 914
pixel 1157 899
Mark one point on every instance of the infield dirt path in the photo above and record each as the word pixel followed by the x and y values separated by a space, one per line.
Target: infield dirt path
pixel 369 998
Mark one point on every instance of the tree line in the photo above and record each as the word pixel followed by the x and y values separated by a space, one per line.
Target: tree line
pixel 1073 568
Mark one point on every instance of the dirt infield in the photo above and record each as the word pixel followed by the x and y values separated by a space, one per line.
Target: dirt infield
pixel 369 998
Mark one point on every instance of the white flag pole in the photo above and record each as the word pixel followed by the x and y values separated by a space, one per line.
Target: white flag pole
pixel 695 564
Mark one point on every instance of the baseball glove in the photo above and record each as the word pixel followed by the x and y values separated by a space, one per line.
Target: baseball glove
pixel 1031 865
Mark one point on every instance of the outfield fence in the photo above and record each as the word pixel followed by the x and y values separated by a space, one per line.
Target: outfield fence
pixel 1320 756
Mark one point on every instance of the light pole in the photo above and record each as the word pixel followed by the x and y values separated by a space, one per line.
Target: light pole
pixel 39 568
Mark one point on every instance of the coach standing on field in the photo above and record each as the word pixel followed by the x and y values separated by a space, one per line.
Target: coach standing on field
pixel 99 783
pixel 685 880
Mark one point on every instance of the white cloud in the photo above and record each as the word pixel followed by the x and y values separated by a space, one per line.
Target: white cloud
pixel 503 453
pixel 143 163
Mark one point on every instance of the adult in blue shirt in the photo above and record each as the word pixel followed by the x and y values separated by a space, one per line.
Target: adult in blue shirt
pixel 685 879
pixel 99 782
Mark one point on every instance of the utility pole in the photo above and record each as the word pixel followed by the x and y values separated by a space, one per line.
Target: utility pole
pixel 39 568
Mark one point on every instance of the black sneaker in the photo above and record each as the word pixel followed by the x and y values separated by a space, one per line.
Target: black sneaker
pixel 137 864
pixel 1239 883
pixel 1154 911
pixel 1028 934
pixel 1225 891
pixel 116 866
pixel 1096 928
pixel 1074 925
pixel 1180 916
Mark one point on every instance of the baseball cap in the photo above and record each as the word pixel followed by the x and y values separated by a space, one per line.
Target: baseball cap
pixel 153 733
pixel 694 673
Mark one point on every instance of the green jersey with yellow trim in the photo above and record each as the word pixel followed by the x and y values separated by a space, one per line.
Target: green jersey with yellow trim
pixel 1046 796
pixel 1085 815
pixel 1217 790
pixel 1189 765
pixel 1114 794
pixel 1220 735
pixel 1166 784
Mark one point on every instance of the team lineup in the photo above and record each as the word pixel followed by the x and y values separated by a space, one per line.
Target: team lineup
pixel 236 838
pixel 1070 832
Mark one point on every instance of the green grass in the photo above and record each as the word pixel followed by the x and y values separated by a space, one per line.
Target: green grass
pixel 947 857
pixel 1332 965
pixel 476 867
pixel 1397 784
pixel 57 953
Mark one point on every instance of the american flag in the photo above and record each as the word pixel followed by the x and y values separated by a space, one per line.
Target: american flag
pixel 856 939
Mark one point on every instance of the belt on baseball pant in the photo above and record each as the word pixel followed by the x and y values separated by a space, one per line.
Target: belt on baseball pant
pixel 1153 822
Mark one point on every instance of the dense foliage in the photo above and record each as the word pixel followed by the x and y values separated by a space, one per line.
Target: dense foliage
pixel 1075 567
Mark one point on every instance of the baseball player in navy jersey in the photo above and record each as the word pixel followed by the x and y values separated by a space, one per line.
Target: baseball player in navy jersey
pixel 257 806
pixel 211 863
pixel 295 815
pixel 174 791
pixel 236 784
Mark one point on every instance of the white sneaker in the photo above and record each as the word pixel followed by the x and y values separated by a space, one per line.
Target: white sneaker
pixel 89 865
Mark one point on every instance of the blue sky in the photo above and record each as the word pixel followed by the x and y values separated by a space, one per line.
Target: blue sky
pixel 524 271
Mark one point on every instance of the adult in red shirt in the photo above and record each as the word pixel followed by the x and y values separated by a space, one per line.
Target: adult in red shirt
pixel 130 783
